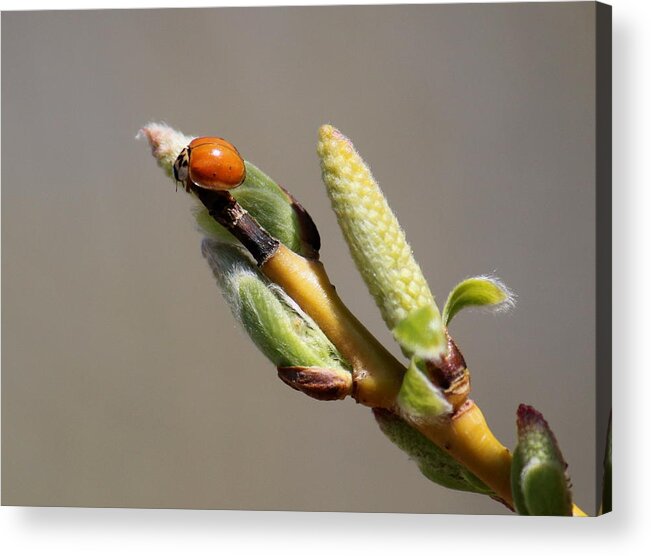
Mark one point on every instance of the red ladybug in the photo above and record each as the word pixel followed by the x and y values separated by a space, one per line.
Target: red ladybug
pixel 210 163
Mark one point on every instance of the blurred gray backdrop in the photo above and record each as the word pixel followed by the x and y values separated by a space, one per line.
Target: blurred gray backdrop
pixel 125 381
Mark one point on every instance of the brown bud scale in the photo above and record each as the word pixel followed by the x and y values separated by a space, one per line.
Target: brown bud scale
pixel 318 383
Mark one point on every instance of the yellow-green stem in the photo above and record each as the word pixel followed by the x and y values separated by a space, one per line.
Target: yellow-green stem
pixel 378 375
pixel 467 437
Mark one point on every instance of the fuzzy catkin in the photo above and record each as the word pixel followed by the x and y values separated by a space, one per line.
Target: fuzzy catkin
pixel 275 323
pixel 377 242
pixel 166 143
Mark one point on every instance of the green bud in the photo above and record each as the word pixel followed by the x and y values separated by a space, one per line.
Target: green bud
pixel 419 399
pixel 538 473
pixel 166 143
pixel 277 212
pixel 434 463
pixel 274 209
pixel 275 323
pixel 479 291
pixel 422 334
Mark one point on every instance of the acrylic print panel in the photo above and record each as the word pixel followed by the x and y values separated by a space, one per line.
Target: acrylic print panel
pixel 126 379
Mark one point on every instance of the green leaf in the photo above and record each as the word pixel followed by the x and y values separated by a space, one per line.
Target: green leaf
pixel 422 333
pixel 479 291
pixel 434 463
pixel 538 472
pixel 275 323
pixel 419 398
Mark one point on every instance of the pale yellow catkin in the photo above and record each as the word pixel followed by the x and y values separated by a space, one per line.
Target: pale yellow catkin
pixel 377 242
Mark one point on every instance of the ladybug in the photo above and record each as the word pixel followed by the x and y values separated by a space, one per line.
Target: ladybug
pixel 210 163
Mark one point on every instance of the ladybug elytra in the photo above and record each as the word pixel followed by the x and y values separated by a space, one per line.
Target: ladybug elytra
pixel 210 163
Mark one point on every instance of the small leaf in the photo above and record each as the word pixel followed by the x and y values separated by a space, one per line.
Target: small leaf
pixel 434 463
pixel 538 472
pixel 479 291
pixel 422 333
pixel 419 398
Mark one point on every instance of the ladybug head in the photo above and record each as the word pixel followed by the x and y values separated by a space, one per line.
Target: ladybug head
pixel 181 173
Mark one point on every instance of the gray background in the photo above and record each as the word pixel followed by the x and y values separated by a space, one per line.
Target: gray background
pixel 125 381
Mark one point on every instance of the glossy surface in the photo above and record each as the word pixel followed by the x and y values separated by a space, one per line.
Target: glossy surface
pixel 214 163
